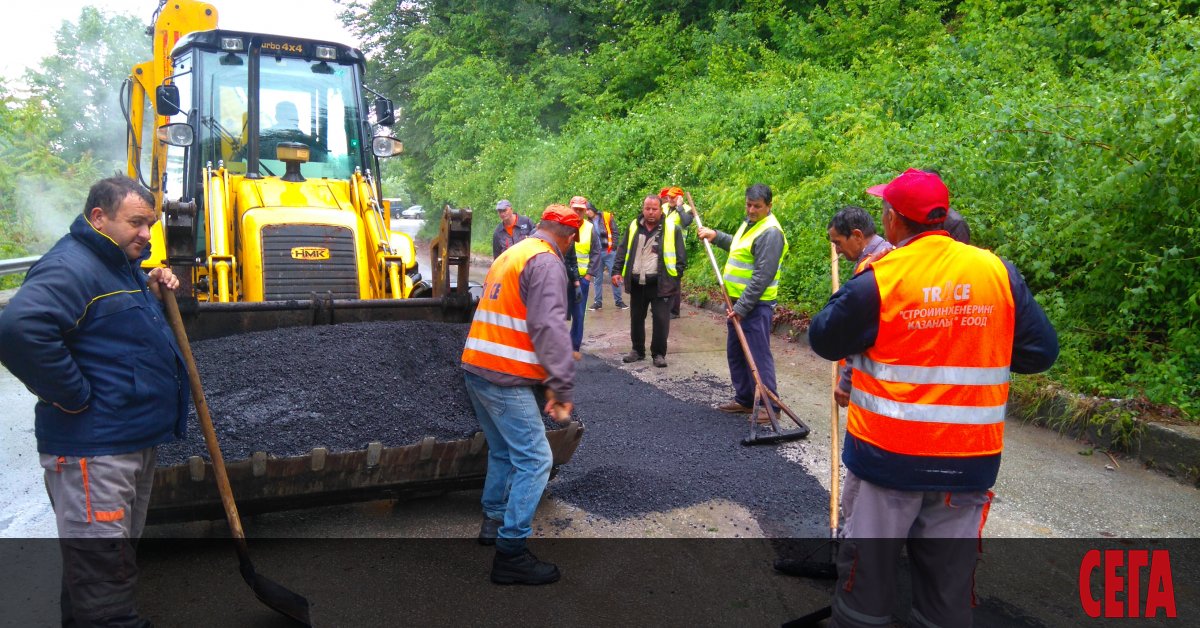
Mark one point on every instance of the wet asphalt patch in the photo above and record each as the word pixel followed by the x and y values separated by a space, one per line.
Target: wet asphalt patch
pixel 646 451
pixel 287 391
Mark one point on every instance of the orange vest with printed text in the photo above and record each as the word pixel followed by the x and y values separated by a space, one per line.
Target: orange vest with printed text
pixel 935 383
pixel 499 338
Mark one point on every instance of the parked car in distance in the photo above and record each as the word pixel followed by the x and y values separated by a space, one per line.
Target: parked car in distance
pixel 394 206
pixel 416 211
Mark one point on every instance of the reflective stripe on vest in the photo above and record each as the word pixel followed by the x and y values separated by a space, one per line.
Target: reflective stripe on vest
pixel 607 219
pixel 668 246
pixel 499 336
pixel 935 383
pixel 739 268
pixel 583 247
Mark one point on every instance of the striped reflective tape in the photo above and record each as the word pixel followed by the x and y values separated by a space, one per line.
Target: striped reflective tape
pixel 953 375
pixel 501 320
pixel 928 413
pixel 503 351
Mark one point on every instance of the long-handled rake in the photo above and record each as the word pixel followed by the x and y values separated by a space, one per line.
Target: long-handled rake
pixel 763 397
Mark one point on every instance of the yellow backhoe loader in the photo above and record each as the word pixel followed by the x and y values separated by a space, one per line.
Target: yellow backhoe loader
pixel 263 154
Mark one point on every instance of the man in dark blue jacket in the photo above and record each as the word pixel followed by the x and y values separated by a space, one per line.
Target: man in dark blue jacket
pixel 87 335
pixel 932 331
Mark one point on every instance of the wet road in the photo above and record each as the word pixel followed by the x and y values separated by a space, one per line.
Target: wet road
pixel 1047 490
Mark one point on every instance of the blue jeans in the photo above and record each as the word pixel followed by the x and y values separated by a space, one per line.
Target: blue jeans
pixel 519 457
pixel 577 314
pixel 607 261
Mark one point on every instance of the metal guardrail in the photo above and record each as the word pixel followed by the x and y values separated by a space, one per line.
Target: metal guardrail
pixel 17 265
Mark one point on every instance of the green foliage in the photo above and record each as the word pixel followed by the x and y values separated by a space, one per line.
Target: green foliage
pixel 79 84
pixel 65 133
pixel 1066 132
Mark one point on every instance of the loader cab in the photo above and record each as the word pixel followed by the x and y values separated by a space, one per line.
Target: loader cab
pixel 295 91
pixel 246 94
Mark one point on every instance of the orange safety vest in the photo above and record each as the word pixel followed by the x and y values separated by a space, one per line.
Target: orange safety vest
pixel 607 219
pixel 499 339
pixel 935 383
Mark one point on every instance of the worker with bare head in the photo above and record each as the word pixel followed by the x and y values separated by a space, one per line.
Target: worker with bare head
pixel 852 232
pixel 932 331
pixel 287 118
pixel 286 128
pixel 649 262
pixel 610 237
pixel 85 321
pixel 751 277
pixel 518 341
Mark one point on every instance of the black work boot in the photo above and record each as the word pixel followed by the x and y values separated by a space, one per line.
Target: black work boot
pixel 523 568
pixel 633 356
pixel 488 530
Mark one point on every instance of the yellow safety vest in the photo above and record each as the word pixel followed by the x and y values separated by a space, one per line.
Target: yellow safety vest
pixel 583 247
pixel 668 246
pixel 672 216
pixel 739 268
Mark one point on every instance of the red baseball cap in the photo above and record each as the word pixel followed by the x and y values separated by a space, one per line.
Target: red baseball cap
pixel 915 194
pixel 578 201
pixel 563 215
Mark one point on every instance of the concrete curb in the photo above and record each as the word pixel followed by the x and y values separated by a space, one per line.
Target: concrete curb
pixel 1112 425
pixel 1116 426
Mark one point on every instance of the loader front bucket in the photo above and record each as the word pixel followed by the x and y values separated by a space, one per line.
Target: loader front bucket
pixel 186 492
pixel 213 320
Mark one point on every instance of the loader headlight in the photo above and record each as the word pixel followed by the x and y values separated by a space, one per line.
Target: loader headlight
pixel 232 44
pixel 177 134
pixel 328 53
pixel 386 146
pixel 292 151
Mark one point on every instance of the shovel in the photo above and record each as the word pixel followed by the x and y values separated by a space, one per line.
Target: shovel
pixel 266 590
pixel 762 396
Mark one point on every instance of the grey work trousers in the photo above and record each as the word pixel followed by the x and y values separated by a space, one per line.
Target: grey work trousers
pixel 942 532
pixel 100 505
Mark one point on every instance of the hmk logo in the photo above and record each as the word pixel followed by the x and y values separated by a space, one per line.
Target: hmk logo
pixel 1160 590
pixel 310 253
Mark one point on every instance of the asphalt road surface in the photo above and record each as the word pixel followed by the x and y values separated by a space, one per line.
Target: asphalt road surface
pixel 661 518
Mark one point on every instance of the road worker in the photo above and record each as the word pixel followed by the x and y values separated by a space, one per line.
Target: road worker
pixel 678 214
pixel 751 277
pixel 87 335
pixel 589 265
pixel 519 340
pixel 649 262
pixel 932 331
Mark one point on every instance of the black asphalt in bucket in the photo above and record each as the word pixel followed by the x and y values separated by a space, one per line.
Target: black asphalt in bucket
pixel 343 386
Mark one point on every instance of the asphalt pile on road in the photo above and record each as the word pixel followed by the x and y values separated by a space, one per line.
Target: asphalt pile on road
pixel 645 451
pixel 286 391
